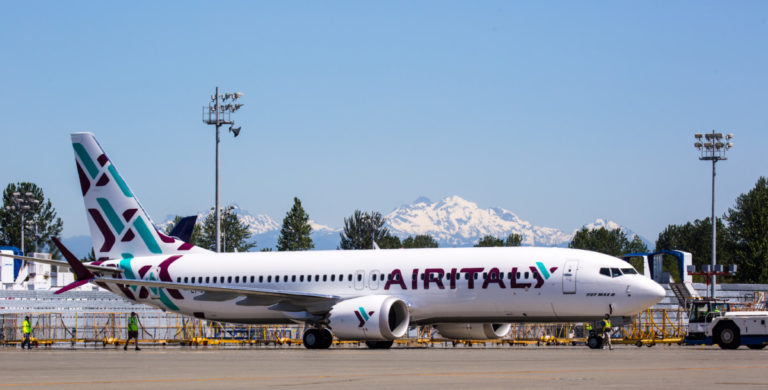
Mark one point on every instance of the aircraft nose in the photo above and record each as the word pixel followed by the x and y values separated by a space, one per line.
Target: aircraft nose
pixel 653 292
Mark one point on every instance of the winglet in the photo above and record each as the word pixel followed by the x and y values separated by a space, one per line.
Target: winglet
pixel 81 272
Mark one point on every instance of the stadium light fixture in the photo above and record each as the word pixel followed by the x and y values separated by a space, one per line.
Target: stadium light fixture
pixel 217 115
pixel 713 150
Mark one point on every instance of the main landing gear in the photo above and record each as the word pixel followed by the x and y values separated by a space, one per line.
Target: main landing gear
pixel 317 338
pixel 379 344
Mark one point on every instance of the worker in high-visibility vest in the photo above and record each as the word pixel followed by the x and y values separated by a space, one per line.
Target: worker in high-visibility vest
pixel 606 328
pixel 26 330
pixel 133 331
pixel 588 329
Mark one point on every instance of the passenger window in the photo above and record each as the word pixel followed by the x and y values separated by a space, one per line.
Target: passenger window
pixel 349 277
pixel 325 278
pixel 237 279
pixel 269 279
pixel 526 275
pixel 229 279
pixel 333 277
pixel 476 276
pixel 293 278
pixel 207 279
pixel 485 275
pixel 422 276
pixel 178 279
pixel 253 278
pixel 301 278
pixel 381 277
pixel 317 278
pixel 359 277
pixel 261 279
pixel 518 275
pixel 200 279
pixel 615 272
pixel 341 278
pixel 605 271
pixel 214 279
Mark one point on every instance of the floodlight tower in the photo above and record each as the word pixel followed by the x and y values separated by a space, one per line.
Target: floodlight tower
pixel 713 149
pixel 23 203
pixel 218 114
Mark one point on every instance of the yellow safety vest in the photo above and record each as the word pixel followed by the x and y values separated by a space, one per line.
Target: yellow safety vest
pixel 606 325
pixel 133 324
pixel 589 326
pixel 26 327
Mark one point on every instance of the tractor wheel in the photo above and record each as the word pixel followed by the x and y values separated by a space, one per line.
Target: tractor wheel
pixel 728 335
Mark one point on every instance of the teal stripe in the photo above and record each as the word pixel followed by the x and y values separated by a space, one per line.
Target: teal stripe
pixel 543 269
pixel 362 311
pixel 125 264
pixel 146 235
pixel 120 182
pixel 92 169
pixel 111 215
pixel 167 301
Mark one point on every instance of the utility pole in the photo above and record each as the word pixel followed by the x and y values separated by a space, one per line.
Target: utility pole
pixel 217 114
pixel 713 149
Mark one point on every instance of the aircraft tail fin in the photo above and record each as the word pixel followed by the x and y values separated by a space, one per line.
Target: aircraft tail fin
pixel 120 228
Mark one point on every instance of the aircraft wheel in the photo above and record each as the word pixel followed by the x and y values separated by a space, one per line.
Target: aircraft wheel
pixel 379 344
pixel 311 338
pixel 756 346
pixel 326 338
pixel 595 342
pixel 728 336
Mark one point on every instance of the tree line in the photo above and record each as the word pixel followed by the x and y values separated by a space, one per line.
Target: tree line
pixel 742 233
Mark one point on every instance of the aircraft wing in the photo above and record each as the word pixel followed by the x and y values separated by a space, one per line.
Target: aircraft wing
pixel 276 299
pixel 61 263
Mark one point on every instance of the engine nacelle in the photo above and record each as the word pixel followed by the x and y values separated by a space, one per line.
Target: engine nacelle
pixel 374 318
pixel 473 331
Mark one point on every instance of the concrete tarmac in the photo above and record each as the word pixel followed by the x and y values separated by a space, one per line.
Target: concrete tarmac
pixel 626 367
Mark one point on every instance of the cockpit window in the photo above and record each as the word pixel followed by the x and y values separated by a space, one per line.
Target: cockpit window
pixel 629 271
pixel 615 272
pixel 605 271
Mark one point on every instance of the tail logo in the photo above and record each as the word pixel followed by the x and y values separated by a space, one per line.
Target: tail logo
pixel 362 316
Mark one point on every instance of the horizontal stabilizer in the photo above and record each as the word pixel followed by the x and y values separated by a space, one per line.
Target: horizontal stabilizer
pixel 60 263
pixel 77 267
pixel 70 286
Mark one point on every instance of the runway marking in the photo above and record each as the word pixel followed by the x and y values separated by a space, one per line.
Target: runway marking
pixel 422 374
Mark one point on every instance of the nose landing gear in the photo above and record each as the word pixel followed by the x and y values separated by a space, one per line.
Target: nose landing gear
pixel 317 338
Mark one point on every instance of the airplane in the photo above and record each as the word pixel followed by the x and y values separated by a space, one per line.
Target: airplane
pixel 366 295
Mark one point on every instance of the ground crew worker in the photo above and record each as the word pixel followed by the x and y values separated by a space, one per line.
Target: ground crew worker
pixel 607 331
pixel 133 331
pixel 26 330
pixel 588 328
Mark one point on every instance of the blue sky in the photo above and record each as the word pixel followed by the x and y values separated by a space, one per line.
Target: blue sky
pixel 561 112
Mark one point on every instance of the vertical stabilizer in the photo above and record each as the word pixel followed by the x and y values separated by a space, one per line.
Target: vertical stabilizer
pixel 120 227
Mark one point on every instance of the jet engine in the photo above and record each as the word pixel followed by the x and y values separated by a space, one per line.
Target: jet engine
pixel 373 317
pixel 473 331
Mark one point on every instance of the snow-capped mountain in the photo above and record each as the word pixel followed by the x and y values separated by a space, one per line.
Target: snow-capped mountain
pixel 455 221
pixel 452 221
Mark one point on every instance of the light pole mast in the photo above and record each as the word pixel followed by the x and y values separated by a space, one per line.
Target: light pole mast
pixel 23 203
pixel 713 149
pixel 217 115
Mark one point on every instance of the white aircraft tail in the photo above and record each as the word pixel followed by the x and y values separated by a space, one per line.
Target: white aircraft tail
pixel 120 228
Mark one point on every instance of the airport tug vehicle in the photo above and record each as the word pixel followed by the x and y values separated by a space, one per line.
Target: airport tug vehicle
pixel 712 322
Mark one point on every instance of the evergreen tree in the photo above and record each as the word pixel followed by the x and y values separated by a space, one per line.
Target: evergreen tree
pixel 489 241
pixel 90 257
pixel 420 241
pixel 611 242
pixel 361 228
pixel 748 234
pixel 694 237
pixel 235 234
pixel 294 235
pixel 41 216
pixel 513 239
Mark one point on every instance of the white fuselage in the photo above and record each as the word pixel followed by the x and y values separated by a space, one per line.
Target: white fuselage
pixel 438 285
